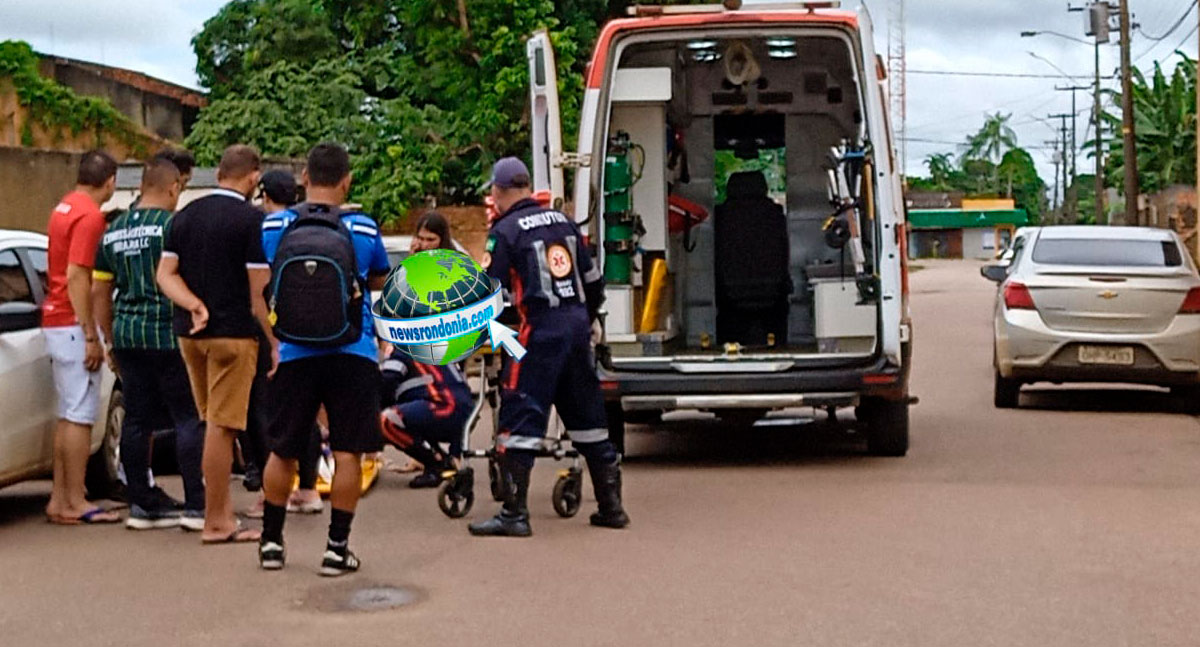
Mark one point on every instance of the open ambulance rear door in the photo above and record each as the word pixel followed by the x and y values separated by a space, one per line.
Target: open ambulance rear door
pixel 888 209
pixel 546 117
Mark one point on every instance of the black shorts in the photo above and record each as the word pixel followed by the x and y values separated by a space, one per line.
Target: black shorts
pixel 348 386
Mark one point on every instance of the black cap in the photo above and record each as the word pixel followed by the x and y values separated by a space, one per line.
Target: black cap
pixel 279 186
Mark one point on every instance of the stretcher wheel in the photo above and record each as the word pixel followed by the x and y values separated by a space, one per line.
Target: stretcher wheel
pixel 456 495
pixel 568 494
pixel 494 481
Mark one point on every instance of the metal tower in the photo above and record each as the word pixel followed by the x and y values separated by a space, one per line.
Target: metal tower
pixel 897 82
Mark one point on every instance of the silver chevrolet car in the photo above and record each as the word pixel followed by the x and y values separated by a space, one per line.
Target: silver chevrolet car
pixel 1098 304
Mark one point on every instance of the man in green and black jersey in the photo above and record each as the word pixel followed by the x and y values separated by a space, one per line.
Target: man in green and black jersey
pixel 145 352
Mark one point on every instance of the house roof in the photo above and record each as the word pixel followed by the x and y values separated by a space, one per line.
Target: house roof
pixel 144 82
pixel 965 219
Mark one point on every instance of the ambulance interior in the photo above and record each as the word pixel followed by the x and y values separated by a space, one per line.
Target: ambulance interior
pixel 747 226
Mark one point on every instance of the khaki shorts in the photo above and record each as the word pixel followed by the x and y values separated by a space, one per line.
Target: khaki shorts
pixel 221 370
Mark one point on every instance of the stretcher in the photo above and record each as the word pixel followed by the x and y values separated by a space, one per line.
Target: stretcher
pixel 456 494
pixel 372 465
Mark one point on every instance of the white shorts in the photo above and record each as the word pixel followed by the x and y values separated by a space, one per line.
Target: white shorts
pixel 78 388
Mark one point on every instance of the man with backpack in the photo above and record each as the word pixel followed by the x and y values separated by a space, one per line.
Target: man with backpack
pixel 323 263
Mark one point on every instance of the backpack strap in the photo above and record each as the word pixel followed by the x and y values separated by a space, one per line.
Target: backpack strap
pixel 331 215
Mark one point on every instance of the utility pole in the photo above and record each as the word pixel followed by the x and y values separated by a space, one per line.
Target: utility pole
pixel 1127 125
pixel 1098 27
pixel 1057 159
pixel 1066 169
pixel 1070 196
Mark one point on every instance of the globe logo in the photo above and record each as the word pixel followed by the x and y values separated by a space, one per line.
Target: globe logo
pixel 438 307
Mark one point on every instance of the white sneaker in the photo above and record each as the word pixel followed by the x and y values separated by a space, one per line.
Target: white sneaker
pixel 191 522
pixel 307 507
pixel 141 519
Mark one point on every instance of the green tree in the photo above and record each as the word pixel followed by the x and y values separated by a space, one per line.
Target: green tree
pixel 1165 120
pixel 1018 173
pixel 251 35
pixel 425 93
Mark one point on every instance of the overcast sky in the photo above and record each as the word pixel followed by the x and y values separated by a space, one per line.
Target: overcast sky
pixel 153 36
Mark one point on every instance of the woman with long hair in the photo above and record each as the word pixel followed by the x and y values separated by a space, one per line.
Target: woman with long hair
pixel 432 232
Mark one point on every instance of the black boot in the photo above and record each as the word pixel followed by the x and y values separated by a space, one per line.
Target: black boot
pixel 606 482
pixel 513 520
pixel 431 477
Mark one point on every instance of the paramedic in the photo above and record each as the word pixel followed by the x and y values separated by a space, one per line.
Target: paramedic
pixel 423 407
pixel 539 257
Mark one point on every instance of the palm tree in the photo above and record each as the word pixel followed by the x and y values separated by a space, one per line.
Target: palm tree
pixel 992 141
pixel 941 168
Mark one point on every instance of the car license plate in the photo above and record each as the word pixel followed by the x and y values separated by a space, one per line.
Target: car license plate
pixel 1111 355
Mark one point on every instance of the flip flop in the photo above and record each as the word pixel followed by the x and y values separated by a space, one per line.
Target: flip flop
pixel 235 537
pixel 91 517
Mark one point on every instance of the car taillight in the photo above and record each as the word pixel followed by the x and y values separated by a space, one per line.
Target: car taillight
pixel 1191 303
pixel 1018 297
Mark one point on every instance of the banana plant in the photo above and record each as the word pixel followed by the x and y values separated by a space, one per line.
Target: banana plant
pixel 1164 109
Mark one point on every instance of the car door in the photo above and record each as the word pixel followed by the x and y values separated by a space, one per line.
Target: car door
pixel 26 385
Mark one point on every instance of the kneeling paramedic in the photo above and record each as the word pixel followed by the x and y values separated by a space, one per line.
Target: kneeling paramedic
pixel 539 257
pixel 323 261
pixel 424 407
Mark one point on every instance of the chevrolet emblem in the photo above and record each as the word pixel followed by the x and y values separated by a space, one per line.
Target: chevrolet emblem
pixel 1108 294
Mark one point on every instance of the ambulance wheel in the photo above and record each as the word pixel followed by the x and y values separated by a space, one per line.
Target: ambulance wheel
pixel 494 481
pixel 568 495
pixel 887 426
pixel 456 495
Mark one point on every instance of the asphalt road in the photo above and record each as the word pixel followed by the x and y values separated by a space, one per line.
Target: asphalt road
pixel 1073 521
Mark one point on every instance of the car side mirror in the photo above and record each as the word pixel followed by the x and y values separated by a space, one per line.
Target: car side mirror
pixel 995 273
pixel 19 315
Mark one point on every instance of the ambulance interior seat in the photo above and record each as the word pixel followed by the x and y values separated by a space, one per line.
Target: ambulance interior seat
pixel 751 262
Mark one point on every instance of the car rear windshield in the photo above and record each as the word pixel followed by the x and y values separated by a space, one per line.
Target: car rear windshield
pixel 1103 252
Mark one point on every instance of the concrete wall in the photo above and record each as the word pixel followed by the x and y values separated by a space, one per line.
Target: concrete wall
pixel 31 183
pixel 163 116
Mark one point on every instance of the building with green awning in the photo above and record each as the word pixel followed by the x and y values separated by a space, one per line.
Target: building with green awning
pixel 961 233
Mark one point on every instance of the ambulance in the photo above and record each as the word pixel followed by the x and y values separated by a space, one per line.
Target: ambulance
pixel 735 173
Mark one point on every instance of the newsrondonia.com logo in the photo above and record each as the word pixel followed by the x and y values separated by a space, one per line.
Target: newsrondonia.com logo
pixel 450 325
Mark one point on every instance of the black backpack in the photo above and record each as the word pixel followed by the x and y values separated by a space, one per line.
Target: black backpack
pixel 316 295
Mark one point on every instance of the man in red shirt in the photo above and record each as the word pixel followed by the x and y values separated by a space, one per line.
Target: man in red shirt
pixel 76 226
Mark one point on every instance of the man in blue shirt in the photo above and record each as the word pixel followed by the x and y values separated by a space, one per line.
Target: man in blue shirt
pixel 345 380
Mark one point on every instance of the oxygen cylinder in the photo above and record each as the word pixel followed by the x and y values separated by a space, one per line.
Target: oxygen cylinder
pixel 619 219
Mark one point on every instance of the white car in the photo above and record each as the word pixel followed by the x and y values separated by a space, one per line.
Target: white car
pixel 1098 304
pixel 27 398
pixel 1019 239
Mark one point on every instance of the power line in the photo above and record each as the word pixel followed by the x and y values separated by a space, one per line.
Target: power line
pixel 1176 49
pixel 1158 41
pixel 1005 75
pixel 1175 26
pixel 943 142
